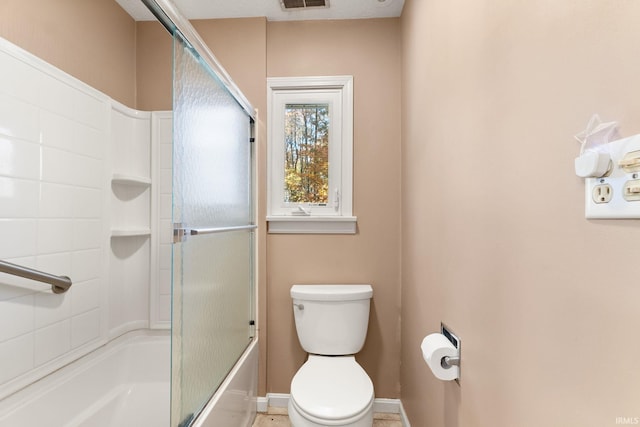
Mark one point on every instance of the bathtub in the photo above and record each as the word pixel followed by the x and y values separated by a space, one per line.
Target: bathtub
pixel 126 384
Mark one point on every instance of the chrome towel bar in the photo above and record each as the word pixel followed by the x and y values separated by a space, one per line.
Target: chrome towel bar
pixel 59 284
pixel 180 234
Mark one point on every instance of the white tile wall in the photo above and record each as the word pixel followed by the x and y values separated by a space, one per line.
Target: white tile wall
pixel 52 341
pixel 59 145
pixel 16 356
pixel 163 164
pixel 53 139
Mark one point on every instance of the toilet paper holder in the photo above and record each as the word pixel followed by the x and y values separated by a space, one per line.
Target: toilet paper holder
pixel 449 361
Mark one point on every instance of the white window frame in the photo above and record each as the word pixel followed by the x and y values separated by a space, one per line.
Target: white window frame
pixel 337 216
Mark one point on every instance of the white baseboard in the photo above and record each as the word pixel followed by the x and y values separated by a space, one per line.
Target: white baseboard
pixel 403 417
pixel 262 404
pixel 384 406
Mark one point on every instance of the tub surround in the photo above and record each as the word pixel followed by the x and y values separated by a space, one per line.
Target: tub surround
pixel 77 200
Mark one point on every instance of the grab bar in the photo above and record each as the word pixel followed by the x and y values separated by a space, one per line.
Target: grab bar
pixel 59 284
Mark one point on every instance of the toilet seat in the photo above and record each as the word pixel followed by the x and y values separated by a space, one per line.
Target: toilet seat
pixel 332 389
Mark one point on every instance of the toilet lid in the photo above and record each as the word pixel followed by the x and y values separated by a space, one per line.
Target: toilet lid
pixel 332 388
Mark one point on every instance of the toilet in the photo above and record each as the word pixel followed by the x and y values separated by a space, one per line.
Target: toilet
pixel 331 388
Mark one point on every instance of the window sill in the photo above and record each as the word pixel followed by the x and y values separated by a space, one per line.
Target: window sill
pixel 312 225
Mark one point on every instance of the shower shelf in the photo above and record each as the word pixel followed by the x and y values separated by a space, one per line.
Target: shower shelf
pixel 119 178
pixel 130 232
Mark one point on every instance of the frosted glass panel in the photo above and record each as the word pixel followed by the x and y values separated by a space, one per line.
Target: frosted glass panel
pixel 216 308
pixel 212 273
pixel 214 180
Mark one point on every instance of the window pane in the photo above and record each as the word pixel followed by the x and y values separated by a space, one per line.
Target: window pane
pixel 306 153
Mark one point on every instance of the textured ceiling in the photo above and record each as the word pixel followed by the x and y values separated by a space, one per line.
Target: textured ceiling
pixel 208 9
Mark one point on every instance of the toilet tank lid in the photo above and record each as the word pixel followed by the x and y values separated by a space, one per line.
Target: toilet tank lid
pixel 331 292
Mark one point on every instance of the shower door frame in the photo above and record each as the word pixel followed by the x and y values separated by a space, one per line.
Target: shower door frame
pixel 170 17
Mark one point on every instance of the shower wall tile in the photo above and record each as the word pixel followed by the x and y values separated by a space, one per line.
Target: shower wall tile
pixel 85 327
pixel 165 281
pixel 166 232
pixel 165 206
pixel 16 317
pixel 52 341
pixel 166 178
pixel 87 233
pixel 166 156
pixel 164 308
pixel 16 357
pixel 59 264
pixel 87 203
pixel 56 200
pixel 90 111
pixel 85 296
pixel 55 235
pixel 18 79
pixel 19 159
pixel 18 238
pixel 55 140
pixel 165 256
pixel 85 265
pixel 18 198
pixel 88 171
pixel 55 95
pixel 88 141
pixel 57 166
pixel 164 163
pixel 56 131
pixel 12 286
pixel 51 308
pixel 18 119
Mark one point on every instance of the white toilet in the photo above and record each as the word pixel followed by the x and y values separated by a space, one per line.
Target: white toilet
pixel 331 388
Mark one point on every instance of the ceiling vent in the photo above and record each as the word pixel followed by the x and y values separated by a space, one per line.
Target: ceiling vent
pixel 302 4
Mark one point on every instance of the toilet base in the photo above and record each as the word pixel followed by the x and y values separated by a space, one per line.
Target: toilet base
pixel 298 420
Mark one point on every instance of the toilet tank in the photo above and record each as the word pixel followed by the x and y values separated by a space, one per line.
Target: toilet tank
pixel 331 320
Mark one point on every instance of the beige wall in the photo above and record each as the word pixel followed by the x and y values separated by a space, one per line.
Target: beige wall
pixel 154 56
pixel 251 50
pixel 495 242
pixel 370 51
pixel 83 38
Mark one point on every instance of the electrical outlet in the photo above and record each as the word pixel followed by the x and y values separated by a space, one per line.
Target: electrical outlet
pixel 602 193
pixel 632 190
pixel 617 194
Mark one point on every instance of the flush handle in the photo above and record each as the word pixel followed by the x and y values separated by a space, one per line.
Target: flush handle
pixel 299 306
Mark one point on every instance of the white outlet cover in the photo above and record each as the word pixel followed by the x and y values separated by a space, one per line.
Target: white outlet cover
pixel 618 207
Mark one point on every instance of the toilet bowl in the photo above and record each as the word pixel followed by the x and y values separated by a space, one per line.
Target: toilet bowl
pixel 331 388
pixel 331 391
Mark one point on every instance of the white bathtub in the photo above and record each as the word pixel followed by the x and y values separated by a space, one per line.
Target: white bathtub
pixel 126 384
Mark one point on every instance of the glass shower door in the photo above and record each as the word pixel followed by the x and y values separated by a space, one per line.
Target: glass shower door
pixel 212 309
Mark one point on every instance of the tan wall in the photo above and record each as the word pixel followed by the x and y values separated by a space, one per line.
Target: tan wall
pixel 154 56
pixel 370 51
pixel 495 242
pixel 93 41
pixel 246 47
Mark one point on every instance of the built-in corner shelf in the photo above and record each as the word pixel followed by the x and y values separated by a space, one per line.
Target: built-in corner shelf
pixel 123 179
pixel 130 232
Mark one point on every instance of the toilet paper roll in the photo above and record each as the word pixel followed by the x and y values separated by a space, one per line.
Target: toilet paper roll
pixel 434 348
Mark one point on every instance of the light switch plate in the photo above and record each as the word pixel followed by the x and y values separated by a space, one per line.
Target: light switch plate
pixel 605 197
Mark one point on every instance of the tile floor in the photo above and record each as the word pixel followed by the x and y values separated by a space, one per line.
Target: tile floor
pixel 277 417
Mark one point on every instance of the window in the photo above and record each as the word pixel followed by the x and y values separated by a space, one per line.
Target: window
pixel 310 155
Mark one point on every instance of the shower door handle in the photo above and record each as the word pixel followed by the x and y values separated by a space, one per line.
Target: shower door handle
pixel 180 234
